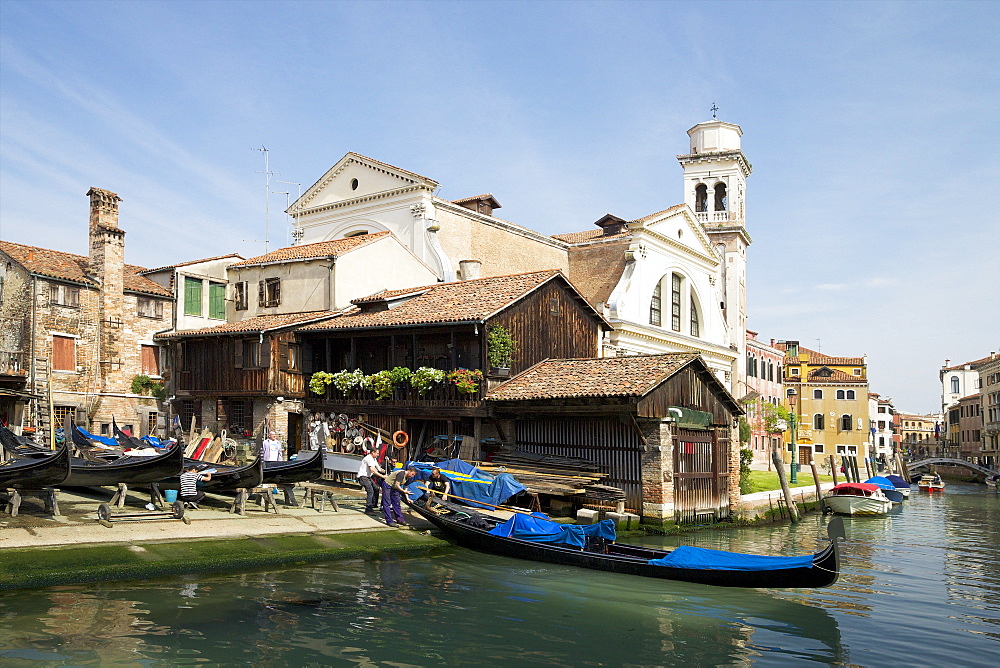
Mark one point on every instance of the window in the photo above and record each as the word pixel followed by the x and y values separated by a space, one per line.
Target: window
pixel 817 394
pixel 63 353
pixel 840 394
pixel 150 356
pixel 819 421
pixel 149 308
pixel 846 422
pixel 850 394
pixel 795 371
pixel 881 425
pixel 654 307
pixel 253 353
pixel 64 295
pixel 770 371
pixel 217 301
pixel 721 199
pixel 954 385
pixel 60 413
pixel 818 447
pixel 695 322
pixel 857 372
pixel 881 440
pixel 881 409
pixel 192 296
pixel 701 198
pixel 240 296
pixel 269 292
pixel 675 302
pixel 151 423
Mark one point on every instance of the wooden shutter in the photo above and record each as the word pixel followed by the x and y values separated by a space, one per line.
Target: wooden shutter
pixel 277 292
pixel 151 360
pixel 238 353
pixel 261 299
pixel 283 356
pixel 217 300
pixel 264 356
pixel 192 296
pixel 63 353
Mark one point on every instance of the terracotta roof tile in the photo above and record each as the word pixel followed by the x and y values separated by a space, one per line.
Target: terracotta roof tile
pixel 815 357
pixel 631 376
pixel 836 376
pixel 974 364
pixel 460 301
pixel 476 198
pixel 319 249
pixel 597 235
pixel 262 323
pixel 70 267
pixel 190 262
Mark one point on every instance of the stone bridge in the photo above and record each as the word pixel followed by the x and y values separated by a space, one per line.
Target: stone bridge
pixel 927 461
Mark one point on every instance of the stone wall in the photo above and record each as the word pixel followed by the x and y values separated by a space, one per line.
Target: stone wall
pixel 657 469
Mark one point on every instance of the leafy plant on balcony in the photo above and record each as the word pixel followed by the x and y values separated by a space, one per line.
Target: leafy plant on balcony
pixel 319 382
pixel 424 378
pixel 143 384
pixel 500 347
pixel 345 380
pixel 381 383
pixel 466 381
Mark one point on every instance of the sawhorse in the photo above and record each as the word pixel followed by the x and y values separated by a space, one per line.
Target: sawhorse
pixel 47 494
pixel 314 490
pixel 266 497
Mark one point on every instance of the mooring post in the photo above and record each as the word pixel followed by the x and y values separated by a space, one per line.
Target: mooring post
pixel 819 492
pixel 779 466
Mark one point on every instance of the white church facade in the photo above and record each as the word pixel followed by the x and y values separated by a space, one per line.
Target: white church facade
pixel 672 281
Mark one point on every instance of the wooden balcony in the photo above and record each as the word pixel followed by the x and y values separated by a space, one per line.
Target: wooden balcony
pixel 443 398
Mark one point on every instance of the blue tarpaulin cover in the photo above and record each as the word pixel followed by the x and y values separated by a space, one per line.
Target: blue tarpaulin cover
pixel 94 437
pixel 898 482
pixel 884 483
pixel 467 481
pixel 541 530
pixel 717 560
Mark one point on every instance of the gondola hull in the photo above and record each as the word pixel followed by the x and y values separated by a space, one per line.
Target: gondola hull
pixel 307 465
pixel 225 478
pixel 633 559
pixel 36 472
pixel 129 470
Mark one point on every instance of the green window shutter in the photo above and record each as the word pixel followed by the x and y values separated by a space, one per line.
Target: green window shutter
pixel 217 300
pixel 192 296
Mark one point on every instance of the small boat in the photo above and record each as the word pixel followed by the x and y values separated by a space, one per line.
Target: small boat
pixel 307 465
pixel 592 546
pixel 125 469
pixel 993 482
pixel 900 484
pixel 888 488
pixel 931 483
pixel 35 472
pixel 857 498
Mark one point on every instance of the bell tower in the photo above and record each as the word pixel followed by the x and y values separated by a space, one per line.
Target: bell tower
pixel 715 178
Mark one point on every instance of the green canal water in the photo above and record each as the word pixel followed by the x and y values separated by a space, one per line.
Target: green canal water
pixel 919 588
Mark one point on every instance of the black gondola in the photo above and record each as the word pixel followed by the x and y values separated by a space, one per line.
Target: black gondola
pixel 307 465
pixel 35 472
pixel 471 528
pixel 225 478
pixel 126 441
pixel 20 446
pixel 126 469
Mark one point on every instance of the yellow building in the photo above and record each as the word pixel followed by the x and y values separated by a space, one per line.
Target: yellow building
pixel 829 398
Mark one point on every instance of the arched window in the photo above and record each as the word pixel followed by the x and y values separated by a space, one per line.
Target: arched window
pixel 701 197
pixel 654 307
pixel 819 421
pixel 817 394
pixel 840 394
pixel 954 385
pixel 770 370
pixel 721 200
pixel 675 302
pixel 846 422
pixel 695 320
pixel 750 369
pixel 850 394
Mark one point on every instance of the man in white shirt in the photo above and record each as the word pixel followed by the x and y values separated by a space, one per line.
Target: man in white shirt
pixel 271 448
pixel 369 468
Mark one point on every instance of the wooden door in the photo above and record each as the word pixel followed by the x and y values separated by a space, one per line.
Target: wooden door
pixel 701 475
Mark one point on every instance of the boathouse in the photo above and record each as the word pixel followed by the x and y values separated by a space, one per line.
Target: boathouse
pixel 660 425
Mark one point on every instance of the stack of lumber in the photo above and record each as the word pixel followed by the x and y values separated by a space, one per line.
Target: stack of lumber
pixel 556 476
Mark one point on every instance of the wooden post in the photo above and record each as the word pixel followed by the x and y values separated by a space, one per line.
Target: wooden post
pixel 819 491
pixel 833 468
pixel 779 466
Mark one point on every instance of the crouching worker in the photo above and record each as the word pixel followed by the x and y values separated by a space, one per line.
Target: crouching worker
pixel 438 487
pixel 392 492
pixel 190 494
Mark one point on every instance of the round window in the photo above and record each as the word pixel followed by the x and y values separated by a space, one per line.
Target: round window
pixel 354 184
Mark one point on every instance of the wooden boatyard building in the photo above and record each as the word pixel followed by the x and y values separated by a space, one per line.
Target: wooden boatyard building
pixel 660 425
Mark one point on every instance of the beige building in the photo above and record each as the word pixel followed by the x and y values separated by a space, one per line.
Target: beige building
pixel 920 434
pixel 83 327
pixel 989 375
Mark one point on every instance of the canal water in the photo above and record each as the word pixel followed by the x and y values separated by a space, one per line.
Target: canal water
pixel 919 588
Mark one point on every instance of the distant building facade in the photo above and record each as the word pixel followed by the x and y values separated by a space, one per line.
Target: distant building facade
pixel 765 366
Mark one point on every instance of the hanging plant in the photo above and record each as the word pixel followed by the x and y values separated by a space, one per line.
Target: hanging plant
pixel 345 380
pixel 319 382
pixel 381 383
pixel 424 378
pixel 466 380
pixel 500 347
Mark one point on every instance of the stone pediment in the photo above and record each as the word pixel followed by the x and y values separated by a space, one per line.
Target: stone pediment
pixel 678 226
pixel 356 177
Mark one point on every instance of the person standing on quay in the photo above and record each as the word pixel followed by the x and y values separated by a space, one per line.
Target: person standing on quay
pixel 369 468
pixel 271 449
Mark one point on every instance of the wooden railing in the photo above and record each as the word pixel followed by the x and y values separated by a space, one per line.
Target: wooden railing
pixel 441 394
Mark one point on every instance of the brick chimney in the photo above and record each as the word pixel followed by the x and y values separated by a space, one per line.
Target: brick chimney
pixel 106 263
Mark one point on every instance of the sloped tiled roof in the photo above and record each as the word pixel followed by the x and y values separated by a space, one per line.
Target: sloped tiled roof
pixel 318 249
pixel 190 262
pixel 70 267
pixel 836 376
pixel 477 198
pixel 598 234
pixel 262 323
pixel 631 376
pixel 460 301
pixel 807 356
pixel 974 364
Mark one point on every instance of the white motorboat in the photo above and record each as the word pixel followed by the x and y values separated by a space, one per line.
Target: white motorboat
pixel 857 498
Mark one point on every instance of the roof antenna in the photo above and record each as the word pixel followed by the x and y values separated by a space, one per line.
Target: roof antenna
pixel 267 195
pixel 714 109
pixel 295 234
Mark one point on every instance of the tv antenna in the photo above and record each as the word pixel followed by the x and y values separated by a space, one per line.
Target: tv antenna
pixel 295 234
pixel 267 195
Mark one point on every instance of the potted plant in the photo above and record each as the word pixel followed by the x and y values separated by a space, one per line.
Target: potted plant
pixel 466 381
pixel 424 378
pixel 500 348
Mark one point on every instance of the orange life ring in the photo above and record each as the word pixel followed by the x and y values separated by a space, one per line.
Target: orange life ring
pixel 400 443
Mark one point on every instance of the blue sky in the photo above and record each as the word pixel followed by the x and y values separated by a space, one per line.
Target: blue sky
pixel 872 129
